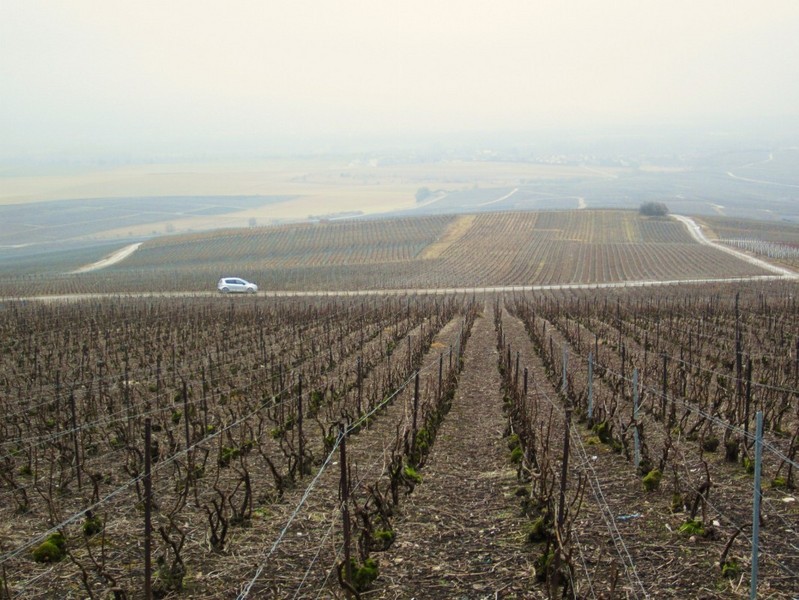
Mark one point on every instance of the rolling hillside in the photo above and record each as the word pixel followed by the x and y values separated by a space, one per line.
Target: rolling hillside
pixel 452 251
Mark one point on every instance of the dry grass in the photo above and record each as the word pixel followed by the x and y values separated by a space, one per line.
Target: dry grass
pixel 456 230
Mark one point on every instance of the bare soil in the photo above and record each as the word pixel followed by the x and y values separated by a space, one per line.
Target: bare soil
pixel 461 533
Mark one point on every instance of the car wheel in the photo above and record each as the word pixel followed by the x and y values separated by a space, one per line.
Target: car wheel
pixel 225 290
pixel 251 291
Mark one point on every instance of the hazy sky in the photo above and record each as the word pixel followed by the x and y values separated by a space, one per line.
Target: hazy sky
pixel 173 75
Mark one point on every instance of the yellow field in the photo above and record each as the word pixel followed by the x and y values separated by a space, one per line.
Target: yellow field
pixel 456 230
pixel 316 187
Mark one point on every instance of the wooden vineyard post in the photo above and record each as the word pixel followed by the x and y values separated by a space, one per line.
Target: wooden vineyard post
pixel 300 442
pixel 345 511
pixel 360 386
pixel 623 370
pixel 738 358
pixel 58 387
pixel 148 526
pixel 636 437
pixel 564 471
pixel 525 381
pixel 262 344
pixel 565 385
pixel 158 359
pixel 748 401
pixel 204 403
pixel 756 506
pixel 390 375
pixel 414 417
pixel 440 376
pixel 596 346
pixel 100 387
pixel 410 355
pixel 516 373
pixel 126 389
pixel 187 432
pixel 590 386
pixel 75 437
pixel 174 367
pixel 796 363
pixel 664 397
pixel 657 330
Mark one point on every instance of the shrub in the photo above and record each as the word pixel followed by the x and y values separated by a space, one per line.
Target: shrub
pixel 53 549
pixel 386 535
pixel 92 526
pixel 228 454
pixel 652 479
pixel 363 575
pixel 382 539
pixel 653 209
pixel 538 531
pixel 168 577
pixel 412 475
pixel 543 564
pixel 731 449
pixel 692 527
pixel 730 569
pixel 47 552
pixel 602 431
pixel 423 441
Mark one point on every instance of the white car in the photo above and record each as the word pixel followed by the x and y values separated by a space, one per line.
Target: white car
pixel 227 285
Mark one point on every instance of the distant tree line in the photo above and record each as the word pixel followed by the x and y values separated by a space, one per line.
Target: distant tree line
pixel 654 209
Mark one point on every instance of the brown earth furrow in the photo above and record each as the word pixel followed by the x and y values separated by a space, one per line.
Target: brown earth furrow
pixel 461 532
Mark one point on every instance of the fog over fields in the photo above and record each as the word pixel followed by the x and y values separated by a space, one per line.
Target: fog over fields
pixel 126 122
pixel 85 205
pixel 519 316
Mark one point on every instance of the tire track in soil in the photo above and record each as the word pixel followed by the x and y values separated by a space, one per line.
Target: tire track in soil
pixel 460 534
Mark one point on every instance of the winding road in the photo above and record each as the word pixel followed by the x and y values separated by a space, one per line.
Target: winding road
pixel 696 232
pixel 109 260
pixel 693 228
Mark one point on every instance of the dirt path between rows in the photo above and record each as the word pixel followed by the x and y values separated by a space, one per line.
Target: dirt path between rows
pixel 111 259
pixel 460 535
